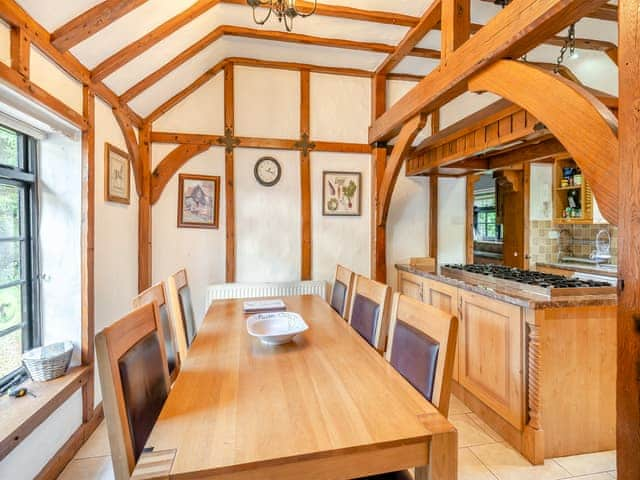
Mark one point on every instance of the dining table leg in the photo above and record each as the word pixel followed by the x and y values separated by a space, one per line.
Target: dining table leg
pixel 443 458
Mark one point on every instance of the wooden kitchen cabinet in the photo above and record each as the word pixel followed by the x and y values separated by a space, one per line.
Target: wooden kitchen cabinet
pixel 555 271
pixel 491 354
pixel 443 297
pixel 410 285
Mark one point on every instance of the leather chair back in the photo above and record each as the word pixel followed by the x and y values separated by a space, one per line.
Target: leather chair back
pixel 183 317
pixel 135 383
pixel 157 293
pixel 341 291
pixel 369 313
pixel 422 344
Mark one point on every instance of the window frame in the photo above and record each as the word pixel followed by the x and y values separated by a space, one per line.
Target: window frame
pixel 477 210
pixel 25 177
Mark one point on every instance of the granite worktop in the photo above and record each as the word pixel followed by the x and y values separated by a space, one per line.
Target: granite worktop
pixel 581 267
pixel 515 297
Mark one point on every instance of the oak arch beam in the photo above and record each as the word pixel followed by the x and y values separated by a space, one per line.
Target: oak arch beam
pixel 581 122
pixel 170 165
pixel 407 135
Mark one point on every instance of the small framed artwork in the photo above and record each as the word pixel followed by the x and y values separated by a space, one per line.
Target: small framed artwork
pixel 198 201
pixel 341 193
pixel 117 177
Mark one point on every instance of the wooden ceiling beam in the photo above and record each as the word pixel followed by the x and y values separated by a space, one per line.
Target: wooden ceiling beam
pixel 511 33
pixel 131 51
pixel 91 22
pixel 14 15
pixel 455 25
pixel 390 18
pixel 428 22
pixel 603 12
pixel 231 30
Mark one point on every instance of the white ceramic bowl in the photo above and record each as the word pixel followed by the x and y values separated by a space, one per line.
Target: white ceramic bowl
pixel 276 328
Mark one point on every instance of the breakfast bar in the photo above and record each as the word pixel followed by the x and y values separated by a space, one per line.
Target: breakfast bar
pixel 539 368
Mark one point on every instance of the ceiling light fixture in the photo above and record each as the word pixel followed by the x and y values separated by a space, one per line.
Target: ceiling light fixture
pixel 285 11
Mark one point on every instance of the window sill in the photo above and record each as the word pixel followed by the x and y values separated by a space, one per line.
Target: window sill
pixel 20 416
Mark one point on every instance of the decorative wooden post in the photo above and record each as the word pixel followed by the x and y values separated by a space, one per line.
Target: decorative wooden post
pixel 378 165
pixel 305 147
pixel 144 209
pixel 229 124
pixel 628 390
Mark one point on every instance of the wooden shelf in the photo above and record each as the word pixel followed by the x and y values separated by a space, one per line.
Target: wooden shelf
pixel 20 416
pixel 571 187
pixel 561 194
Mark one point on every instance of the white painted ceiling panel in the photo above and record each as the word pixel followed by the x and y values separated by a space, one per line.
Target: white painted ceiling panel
pixel 311 54
pixel 431 40
pixel 52 14
pixel 416 66
pixel 127 30
pixel 224 14
pixel 179 79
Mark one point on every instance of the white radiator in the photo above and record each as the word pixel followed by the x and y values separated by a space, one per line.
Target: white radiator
pixel 227 291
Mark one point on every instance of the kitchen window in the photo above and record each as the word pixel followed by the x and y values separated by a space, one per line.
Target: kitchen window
pixel 19 315
pixel 484 213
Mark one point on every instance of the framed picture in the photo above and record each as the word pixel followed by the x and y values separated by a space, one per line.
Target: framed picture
pixel 198 201
pixel 341 193
pixel 117 176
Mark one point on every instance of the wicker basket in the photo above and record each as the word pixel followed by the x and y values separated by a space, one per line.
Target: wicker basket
pixel 48 362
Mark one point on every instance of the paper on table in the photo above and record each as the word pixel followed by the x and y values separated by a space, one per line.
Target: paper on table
pixel 263 305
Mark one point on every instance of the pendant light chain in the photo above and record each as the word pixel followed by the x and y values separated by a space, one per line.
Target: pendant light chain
pixel 569 44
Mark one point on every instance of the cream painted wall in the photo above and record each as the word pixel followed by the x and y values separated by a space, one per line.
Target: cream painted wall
pixel 267 103
pixel 55 81
pixel 60 191
pixel 342 240
pixel 200 251
pixel 452 194
pixel 408 222
pixel 540 206
pixel 5 43
pixel 116 236
pixel 202 108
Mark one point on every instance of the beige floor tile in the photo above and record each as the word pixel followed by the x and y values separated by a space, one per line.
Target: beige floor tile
pixel 97 445
pixel 589 463
pixel 469 433
pixel 595 476
pixel 613 474
pixel 470 468
pixel 485 428
pixel 456 407
pixel 507 464
pixel 96 468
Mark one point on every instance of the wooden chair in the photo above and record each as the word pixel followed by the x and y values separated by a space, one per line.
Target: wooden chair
pixel 369 311
pixel 422 345
pixel 157 293
pixel 135 383
pixel 182 306
pixel 342 290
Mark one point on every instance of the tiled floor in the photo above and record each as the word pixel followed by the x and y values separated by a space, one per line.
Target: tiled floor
pixel 483 455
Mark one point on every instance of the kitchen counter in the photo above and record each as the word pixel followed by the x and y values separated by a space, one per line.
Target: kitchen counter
pixel 580 267
pixel 536 370
pixel 519 298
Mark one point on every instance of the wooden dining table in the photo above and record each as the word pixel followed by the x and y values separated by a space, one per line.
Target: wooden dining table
pixel 325 406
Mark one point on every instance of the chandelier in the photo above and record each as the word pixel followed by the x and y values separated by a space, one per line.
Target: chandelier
pixel 284 10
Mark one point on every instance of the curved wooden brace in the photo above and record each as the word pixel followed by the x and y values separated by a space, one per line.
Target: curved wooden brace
pixel 132 146
pixel 400 149
pixel 168 167
pixel 583 124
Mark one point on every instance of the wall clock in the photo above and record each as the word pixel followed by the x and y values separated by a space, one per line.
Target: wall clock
pixel 267 171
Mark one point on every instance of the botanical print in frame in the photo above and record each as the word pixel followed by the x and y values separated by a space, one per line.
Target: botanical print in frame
pixel 341 193
pixel 117 176
pixel 198 201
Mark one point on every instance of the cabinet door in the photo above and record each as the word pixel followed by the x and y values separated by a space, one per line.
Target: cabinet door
pixel 410 285
pixel 445 298
pixel 491 354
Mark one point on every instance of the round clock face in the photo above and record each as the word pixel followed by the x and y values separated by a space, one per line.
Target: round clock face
pixel 267 171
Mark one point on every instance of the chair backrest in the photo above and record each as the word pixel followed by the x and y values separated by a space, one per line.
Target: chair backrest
pixel 157 293
pixel 342 290
pixel 422 344
pixel 369 311
pixel 135 383
pixel 182 306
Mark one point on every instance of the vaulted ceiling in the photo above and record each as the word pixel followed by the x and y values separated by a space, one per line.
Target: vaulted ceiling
pixel 199 34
